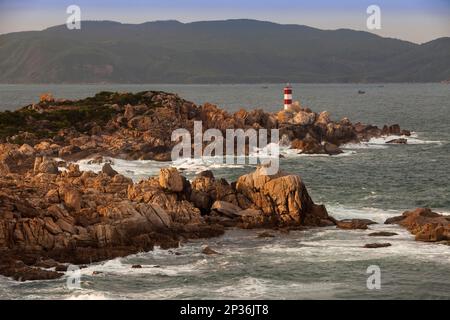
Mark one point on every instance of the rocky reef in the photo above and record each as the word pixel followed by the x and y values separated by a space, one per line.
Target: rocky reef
pixel 50 217
pixel 425 224
pixel 138 126
pixel 53 214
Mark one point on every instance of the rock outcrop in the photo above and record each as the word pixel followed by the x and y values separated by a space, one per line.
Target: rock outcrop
pixel 354 224
pixel 139 126
pixel 282 198
pixel 80 217
pixel 73 216
pixel 52 211
pixel 424 224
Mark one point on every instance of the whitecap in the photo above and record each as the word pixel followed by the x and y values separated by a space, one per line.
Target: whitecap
pixel 380 142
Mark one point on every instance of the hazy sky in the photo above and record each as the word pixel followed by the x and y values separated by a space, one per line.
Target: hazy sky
pixel 414 20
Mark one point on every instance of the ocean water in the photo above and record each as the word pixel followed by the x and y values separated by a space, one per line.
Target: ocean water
pixel 370 180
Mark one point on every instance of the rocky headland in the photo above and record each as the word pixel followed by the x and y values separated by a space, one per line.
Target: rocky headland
pixel 53 214
pixel 139 126
pixel 49 217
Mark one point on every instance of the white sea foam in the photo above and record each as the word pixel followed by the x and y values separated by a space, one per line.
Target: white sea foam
pixel 197 165
pixel 380 142
pixel 254 288
pixel 337 245
pixel 375 214
pixel 295 153
pixel 89 296
pixel 136 169
pixel 140 169
pixel 412 139
pixel 122 266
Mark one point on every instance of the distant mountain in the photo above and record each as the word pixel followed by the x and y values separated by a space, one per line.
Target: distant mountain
pixel 231 51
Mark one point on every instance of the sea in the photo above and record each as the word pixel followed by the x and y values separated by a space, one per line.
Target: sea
pixel 370 180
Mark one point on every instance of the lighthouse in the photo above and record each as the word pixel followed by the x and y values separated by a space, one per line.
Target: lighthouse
pixel 287 97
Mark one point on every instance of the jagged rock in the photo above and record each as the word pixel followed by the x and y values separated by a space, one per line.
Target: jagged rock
pixel 68 150
pixel 139 130
pixel 107 169
pixel 45 165
pixel 332 149
pixel 14 160
pixel 285 116
pixel 82 217
pixel 226 208
pixel 72 199
pixel 170 179
pixel 398 141
pixel 129 112
pixel 424 224
pixel 208 251
pixel 283 198
pixel 304 118
pixel 323 118
pixel 21 272
pixel 391 130
pixel 354 223
pixel 27 150
pixel 4 168
pixel 206 189
pixel 96 160
pixel 307 146
pixel 251 218
pixel 176 204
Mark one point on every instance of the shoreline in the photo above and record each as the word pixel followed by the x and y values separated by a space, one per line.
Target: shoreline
pixel 52 217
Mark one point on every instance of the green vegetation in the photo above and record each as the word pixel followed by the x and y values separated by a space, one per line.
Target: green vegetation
pixel 232 51
pixel 119 98
pixel 47 124
pixel 70 114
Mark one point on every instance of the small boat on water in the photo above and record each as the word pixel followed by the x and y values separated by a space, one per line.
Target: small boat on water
pixel 361 92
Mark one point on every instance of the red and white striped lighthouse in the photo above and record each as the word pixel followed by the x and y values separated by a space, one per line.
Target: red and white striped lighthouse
pixel 287 97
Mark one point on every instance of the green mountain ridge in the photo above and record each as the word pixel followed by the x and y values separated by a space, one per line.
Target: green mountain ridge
pixel 229 51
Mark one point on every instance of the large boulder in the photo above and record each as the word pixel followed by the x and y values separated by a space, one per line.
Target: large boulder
pixel 27 150
pixel 72 198
pixel 307 146
pixel 323 118
pixel 170 179
pixel 332 149
pixel 425 224
pixel 282 198
pixel 175 203
pixel 68 150
pixel 45 165
pixel 15 159
pixel 107 169
pixel 226 208
pixel 304 118
pixel 354 224
pixel 206 189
